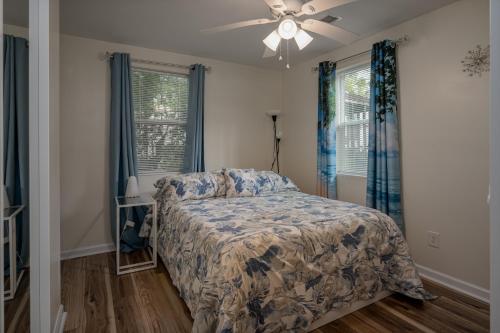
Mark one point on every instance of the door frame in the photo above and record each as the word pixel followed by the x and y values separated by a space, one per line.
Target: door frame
pixel 495 166
pixel 46 314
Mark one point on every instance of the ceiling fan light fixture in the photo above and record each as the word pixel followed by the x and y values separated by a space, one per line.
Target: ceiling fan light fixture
pixel 287 28
pixel 302 39
pixel 272 40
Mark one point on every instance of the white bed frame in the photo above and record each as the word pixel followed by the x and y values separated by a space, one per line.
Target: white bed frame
pixel 338 313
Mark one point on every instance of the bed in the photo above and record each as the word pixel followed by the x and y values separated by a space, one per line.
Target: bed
pixel 251 253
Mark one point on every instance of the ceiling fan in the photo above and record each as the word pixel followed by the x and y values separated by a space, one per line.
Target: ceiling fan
pixel 288 14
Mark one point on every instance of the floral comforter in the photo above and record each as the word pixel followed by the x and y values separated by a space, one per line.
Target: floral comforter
pixel 278 262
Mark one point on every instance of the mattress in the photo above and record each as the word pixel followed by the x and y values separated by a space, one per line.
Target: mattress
pixel 279 262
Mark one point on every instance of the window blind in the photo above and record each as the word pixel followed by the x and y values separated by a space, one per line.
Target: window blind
pixel 160 107
pixel 353 106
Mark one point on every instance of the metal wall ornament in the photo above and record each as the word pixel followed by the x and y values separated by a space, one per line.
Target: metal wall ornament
pixel 477 61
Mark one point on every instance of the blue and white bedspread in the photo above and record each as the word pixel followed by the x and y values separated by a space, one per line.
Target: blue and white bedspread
pixel 277 262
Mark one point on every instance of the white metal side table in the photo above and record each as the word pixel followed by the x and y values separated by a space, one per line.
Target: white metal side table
pixel 126 203
pixel 9 215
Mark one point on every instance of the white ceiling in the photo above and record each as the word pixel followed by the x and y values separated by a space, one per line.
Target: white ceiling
pixel 174 25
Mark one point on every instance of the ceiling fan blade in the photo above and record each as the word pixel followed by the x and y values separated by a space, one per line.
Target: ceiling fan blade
pixel 317 6
pixel 330 31
pixel 268 53
pixel 238 25
pixel 277 5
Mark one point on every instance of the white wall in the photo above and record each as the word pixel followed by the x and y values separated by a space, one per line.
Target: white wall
pixel 238 133
pixel 444 137
pixel 495 166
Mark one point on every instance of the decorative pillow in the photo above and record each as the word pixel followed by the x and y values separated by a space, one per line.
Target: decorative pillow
pixel 240 183
pixel 269 181
pixel 263 181
pixel 282 183
pixel 190 186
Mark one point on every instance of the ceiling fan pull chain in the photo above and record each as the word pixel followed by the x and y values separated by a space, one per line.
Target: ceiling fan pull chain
pixel 287 56
pixel 280 57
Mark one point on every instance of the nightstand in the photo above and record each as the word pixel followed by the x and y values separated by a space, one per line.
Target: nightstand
pixel 9 215
pixel 124 203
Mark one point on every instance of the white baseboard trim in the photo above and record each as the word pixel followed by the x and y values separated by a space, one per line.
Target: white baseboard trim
pixel 455 284
pixel 60 320
pixel 87 251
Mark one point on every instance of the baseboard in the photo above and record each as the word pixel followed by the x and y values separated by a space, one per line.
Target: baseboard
pixel 454 283
pixel 87 251
pixel 60 320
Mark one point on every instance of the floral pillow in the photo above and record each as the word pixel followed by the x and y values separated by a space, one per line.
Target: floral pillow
pixel 269 181
pixel 191 186
pixel 240 183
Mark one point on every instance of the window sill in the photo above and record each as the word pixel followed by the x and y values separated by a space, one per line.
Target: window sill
pixel 350 175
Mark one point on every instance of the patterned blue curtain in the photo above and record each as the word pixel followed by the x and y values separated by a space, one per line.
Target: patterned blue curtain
pixel 123 158
pixel 384 181
pixel 326 145
pixel 194 158
pixel 16 129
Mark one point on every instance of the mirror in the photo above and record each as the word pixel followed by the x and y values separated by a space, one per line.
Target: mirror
pixel 16 170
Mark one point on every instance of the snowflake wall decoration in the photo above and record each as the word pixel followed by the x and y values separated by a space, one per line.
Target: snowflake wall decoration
pixel 477 61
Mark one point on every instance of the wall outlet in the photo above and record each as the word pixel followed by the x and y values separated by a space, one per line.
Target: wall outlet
pixel 433 239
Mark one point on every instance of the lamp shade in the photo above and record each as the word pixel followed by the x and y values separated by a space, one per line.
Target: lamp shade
pixel 272 40
pixel 132 188
pixel 302 39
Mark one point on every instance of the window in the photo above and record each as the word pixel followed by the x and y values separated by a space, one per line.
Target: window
pixel 353 106
pixel 160 106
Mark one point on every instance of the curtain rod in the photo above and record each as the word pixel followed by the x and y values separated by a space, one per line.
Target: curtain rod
pixel 109 55
pixel 398 41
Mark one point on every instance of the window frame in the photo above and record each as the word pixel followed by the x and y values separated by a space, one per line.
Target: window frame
pixel 340 109
pixel 159 122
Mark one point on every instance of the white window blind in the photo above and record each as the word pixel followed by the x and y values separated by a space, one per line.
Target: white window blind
pixel 353 105
pixel 160 107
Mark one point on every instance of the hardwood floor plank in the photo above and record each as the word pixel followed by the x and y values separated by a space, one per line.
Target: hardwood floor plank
pixel 96 296
pixel 389 320
pixel 372 323
pixel 179 309
pixel 360 324
pixel 17 317
pixel 462 310
pixel 338 326
pixel 153 302
pixel 124 301
pixel 16 311
pixel 466 300
pixel 405 318
pixel 431 315
pixel 109 300
pixel 73 293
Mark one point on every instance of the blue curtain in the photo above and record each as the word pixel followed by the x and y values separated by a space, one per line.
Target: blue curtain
pixel 123 154
pixel 16 136
pixel 384 181
pixel 326 145
pixel 194 158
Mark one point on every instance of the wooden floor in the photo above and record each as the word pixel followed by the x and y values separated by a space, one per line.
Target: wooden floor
pixel 17 310
pixel 99 301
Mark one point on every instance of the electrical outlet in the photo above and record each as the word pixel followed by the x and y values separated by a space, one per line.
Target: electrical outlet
pixel 433 239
